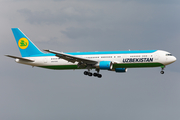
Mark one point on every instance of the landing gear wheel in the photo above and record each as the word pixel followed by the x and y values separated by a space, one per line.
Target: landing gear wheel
pixel 86 73
pixel 99 75
pixel 95 74
pixel 89 74
pixel 162 72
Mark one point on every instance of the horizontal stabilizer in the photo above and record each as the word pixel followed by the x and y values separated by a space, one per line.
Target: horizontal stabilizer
pixel 20 58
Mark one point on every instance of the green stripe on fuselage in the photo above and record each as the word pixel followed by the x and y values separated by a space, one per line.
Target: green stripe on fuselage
pixel 136 65
pixel 125 65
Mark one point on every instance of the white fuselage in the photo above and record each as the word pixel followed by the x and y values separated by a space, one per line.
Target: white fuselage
pixel 161 58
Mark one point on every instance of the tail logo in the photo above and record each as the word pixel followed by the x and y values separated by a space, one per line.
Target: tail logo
pixel 23 43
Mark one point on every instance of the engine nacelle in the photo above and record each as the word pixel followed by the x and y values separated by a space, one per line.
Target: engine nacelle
pixel 121 70
pixel 105 65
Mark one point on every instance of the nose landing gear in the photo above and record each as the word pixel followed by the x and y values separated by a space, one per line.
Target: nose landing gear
pixel 162 69
pixel 162 72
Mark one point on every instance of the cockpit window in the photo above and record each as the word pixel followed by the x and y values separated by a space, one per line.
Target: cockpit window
pixel 168 54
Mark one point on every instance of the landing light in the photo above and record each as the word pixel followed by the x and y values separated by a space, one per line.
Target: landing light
pixel 17 60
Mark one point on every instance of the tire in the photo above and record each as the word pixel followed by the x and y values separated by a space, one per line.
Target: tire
pixel 90 74
pixel 162 72
pixel 95 74
pixel 99 75
pixel 85 73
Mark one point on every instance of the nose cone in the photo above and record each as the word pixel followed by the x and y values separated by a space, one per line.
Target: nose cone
pixel 170 59
pixel 173 59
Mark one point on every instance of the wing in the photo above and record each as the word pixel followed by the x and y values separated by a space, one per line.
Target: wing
pixel 24 59
pixel 72 58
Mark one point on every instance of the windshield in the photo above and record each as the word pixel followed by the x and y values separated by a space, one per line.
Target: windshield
pixel 168 54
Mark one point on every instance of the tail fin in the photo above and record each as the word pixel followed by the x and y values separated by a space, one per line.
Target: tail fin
pixel 25 45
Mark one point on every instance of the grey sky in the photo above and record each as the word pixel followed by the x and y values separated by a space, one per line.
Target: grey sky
pixel 96 25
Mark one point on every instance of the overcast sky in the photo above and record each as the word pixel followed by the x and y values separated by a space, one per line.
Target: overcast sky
pixel 28 93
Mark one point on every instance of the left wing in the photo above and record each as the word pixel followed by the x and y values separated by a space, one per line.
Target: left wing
pixel 72 58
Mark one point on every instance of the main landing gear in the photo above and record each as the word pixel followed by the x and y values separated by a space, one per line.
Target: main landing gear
pixel 162 69
pixel 93 74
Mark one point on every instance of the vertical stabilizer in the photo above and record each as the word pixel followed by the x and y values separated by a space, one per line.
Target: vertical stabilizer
pixel 25 45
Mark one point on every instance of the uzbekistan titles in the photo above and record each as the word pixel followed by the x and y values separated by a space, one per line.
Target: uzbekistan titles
pixel 136 60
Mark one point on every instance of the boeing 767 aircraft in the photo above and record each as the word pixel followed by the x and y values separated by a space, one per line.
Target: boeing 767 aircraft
pixel 117 61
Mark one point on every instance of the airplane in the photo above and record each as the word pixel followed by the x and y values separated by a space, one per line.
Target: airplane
pixel 117 61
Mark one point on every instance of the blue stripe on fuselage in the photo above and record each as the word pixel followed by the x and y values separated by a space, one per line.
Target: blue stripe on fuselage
pixel 99 53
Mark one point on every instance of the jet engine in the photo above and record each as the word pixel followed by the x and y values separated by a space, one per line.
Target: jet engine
pixel 121 70
pixel 105 65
